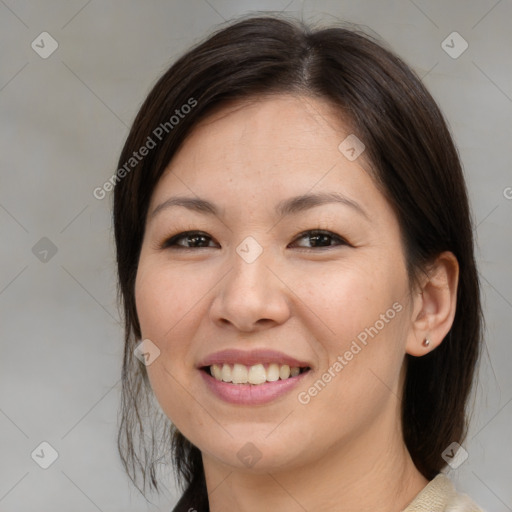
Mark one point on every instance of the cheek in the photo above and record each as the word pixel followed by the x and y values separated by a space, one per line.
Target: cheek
pixel 348 298
pixel 364 312
pixel 164 297
pixel 166 302
pixel 337 303
pixel 159 320
pixel 357 381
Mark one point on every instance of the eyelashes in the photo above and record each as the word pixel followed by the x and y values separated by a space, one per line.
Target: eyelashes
pixel 320 238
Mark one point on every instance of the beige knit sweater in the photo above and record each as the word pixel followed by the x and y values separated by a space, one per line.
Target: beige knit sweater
pixel 440 496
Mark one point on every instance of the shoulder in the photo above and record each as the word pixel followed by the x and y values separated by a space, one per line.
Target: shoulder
pixel 440 495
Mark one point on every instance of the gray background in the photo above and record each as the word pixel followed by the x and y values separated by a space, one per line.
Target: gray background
pixel 63 121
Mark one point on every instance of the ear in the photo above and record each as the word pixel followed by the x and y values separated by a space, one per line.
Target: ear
pixel 434 305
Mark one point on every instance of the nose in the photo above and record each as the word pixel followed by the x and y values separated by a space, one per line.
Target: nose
pixel 252 296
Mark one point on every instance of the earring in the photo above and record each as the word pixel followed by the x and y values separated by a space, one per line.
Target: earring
pixel 426 342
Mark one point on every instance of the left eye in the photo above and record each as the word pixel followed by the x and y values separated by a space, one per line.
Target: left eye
pixel 198 240
pixel 321 238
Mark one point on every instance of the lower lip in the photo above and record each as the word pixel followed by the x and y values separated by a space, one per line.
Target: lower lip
pixel 251 394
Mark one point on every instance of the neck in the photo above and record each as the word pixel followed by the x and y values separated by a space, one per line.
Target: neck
pixel 372 472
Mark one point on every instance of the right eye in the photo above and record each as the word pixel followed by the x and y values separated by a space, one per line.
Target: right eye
pixel 197 239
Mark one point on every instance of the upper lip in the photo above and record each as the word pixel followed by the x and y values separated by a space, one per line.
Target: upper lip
pixel 251 357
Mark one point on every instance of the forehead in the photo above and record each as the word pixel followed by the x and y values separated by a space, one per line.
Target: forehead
pixel 271 126
pixel 266 148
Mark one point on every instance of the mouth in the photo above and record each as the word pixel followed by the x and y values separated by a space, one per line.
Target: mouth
pixel 256 374
pixel 250 378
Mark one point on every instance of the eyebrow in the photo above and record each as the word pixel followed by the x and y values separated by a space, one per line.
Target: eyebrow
pixel 284 208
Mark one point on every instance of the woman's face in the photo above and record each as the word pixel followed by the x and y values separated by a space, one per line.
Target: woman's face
pixel 258 289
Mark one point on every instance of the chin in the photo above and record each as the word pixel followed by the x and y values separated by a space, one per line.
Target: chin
pixel 255 454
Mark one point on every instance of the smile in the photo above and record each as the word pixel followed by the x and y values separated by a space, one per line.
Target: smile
pixel 254 377
pixel 256 374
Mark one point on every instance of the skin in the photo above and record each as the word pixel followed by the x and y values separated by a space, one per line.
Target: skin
pixel 344 449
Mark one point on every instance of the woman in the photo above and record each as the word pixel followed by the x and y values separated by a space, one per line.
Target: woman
pixel 296 265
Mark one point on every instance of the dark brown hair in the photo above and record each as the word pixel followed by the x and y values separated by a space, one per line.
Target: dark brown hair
pixel 413 161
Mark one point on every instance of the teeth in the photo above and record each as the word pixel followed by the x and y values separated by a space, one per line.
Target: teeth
pixel 226 373
pixel 294 371
pixel 256 374
pixel 273 372
pixel 284 372
pixel 239 373
pixel 216 371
